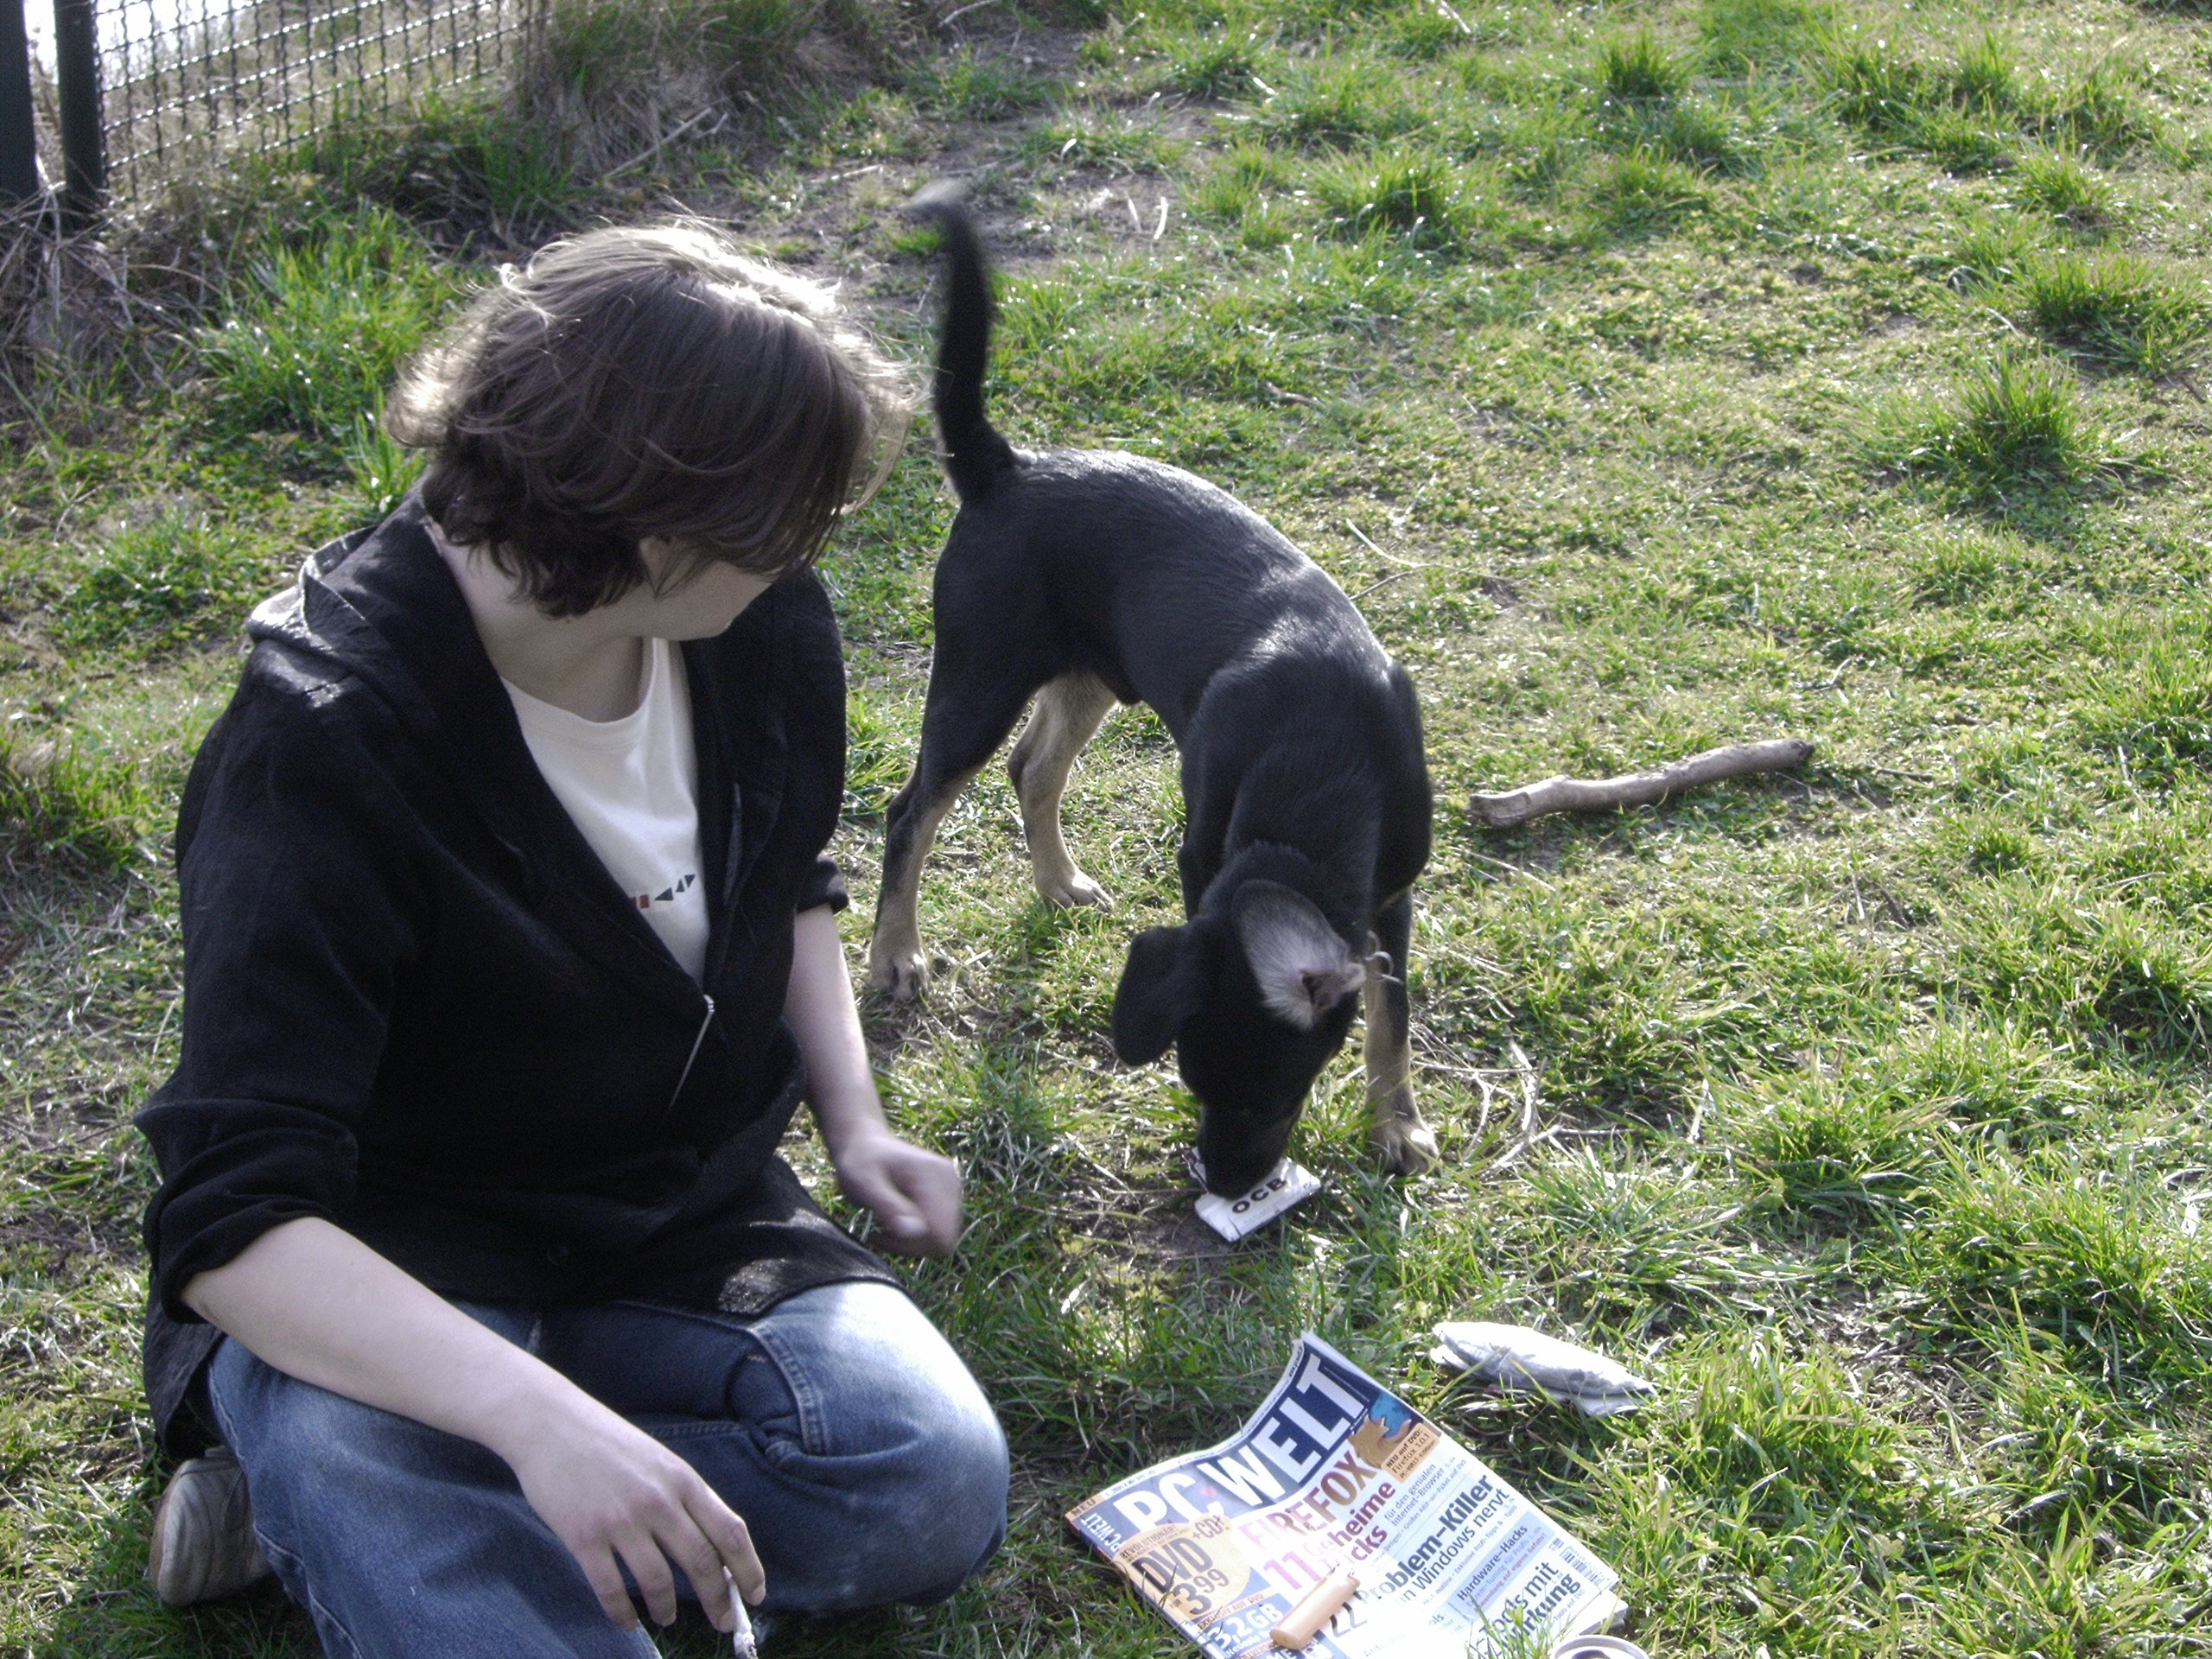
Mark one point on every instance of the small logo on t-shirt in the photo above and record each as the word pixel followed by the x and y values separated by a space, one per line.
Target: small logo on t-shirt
pixel 668 895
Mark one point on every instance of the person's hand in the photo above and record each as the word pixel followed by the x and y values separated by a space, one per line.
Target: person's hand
pixel 618 1497
pixel 914 1194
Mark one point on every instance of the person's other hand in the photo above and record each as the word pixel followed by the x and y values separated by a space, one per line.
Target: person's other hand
pixel 618 1497
pixel 914 1194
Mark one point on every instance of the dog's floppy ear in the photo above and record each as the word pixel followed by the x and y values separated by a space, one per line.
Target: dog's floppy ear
pixel 1162 984
pixel 1303 966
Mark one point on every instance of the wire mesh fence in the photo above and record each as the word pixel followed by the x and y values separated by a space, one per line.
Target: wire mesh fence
pixel 184 83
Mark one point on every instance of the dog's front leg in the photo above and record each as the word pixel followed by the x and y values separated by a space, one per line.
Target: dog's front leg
pixel 1407 1144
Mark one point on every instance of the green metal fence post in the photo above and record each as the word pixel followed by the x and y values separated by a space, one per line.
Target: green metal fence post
pixel 18 132
pixel 83 146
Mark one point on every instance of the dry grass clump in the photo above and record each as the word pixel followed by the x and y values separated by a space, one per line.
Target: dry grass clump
pixel 70 312
pixel 617 81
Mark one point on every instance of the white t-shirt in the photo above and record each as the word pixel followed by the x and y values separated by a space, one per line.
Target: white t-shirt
pixel 631 785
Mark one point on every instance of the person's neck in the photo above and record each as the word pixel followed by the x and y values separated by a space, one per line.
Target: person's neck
pixel 592 666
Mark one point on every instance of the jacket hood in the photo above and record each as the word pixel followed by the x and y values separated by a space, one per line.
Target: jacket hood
pixel 380 605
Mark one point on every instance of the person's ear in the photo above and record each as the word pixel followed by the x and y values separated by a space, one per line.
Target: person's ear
pixel 1163 984
pixel 1303 966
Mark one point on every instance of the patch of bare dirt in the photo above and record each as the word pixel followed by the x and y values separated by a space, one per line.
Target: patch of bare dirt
pixel 60 1237
pixel 1501 593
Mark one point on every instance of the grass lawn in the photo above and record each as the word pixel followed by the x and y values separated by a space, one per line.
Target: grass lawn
pixel 1658 375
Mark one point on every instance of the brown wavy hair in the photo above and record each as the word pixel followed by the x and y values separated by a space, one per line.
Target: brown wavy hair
pixel 646 381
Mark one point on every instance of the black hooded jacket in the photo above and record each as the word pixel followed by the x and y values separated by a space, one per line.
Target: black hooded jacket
pixel 417 1005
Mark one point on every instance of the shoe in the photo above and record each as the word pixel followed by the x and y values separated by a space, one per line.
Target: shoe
pixel 203 1544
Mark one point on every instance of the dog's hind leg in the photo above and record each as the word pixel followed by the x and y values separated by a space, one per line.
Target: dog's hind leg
pixel 1068 710
pixel 962 729
pixel 1407 1145
pixel 895 960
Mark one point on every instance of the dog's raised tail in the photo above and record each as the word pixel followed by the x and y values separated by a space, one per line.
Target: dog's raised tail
pixel 975 456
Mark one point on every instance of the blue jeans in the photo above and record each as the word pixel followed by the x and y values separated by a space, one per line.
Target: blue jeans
pixel 840 1425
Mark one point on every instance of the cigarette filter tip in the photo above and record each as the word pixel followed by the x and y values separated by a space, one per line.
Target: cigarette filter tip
pixel 1304 1621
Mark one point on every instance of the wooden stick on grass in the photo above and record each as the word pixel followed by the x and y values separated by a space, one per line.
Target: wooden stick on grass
pixel 1639 788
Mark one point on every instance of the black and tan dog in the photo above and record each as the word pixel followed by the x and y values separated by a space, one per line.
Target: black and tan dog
pixel 1085 578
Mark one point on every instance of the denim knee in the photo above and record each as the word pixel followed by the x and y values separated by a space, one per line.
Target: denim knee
pixel 889 1419
pixel 398 1539
pixel 303 1444
pixel 953 1503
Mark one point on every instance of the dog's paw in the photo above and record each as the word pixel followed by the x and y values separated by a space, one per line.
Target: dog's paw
pixel 1075 888
pixel 1406 1145
pixel 900 975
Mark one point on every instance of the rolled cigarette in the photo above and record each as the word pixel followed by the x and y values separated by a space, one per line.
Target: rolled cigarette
pixel 740 1638
pixel 1304 1621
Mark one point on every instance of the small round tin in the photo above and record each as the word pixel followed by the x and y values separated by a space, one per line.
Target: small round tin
pixel 1597 1647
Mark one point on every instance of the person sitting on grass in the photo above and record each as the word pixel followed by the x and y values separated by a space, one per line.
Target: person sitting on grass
pixel 509 952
